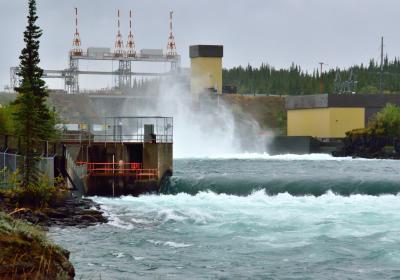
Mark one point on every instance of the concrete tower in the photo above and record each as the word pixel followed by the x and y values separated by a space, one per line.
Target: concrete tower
pixel 206 69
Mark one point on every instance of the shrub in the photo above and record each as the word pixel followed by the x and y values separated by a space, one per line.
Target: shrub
pixel 387 121
pixel 42 194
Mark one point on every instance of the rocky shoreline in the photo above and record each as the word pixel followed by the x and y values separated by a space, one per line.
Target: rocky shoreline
pixel 22 236
pixel 361 144
pixel 367 155
pixel 73 211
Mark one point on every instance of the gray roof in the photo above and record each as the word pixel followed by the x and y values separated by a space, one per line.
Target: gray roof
pixel 341 100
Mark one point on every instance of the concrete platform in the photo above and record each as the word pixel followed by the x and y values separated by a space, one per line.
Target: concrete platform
pixel 301 145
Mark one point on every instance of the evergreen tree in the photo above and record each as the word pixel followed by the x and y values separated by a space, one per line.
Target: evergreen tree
pixel 34 122
pixel 293 81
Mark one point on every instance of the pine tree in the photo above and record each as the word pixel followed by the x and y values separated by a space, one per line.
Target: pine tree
pixel 33 119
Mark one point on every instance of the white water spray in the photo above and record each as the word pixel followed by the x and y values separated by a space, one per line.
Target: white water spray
pixel 207 128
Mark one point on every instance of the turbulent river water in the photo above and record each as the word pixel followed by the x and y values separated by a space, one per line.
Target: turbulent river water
pixel 250 217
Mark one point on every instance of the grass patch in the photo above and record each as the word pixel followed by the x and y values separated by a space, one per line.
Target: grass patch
pixel 27 254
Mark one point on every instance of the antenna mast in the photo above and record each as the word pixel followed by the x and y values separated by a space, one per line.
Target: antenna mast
pixel 171 47
pixel 119 43
pixel 130 44
pixel 76 43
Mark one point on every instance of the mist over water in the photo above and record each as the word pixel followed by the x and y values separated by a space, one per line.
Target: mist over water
pixel 202 128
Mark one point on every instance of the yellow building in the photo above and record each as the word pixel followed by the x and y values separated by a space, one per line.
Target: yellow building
pixel 206 69
pixel 332 115
pixel 324 122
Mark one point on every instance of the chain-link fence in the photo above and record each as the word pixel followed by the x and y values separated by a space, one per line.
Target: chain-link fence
pixel 9 163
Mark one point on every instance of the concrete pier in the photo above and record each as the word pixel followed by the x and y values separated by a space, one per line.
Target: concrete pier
pixel 130 156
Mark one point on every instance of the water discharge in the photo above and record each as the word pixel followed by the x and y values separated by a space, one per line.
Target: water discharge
pixel 202 128
pixel 329 219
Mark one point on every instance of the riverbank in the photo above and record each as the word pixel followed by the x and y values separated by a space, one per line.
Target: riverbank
pixel 364 144
pixel 27 254
pixel 71 211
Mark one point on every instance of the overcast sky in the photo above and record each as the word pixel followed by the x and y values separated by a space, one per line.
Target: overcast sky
pixel 279 32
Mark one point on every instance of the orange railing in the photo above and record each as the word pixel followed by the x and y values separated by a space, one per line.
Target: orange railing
pixel 120 169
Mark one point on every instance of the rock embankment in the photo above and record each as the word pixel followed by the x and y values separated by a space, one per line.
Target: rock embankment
pixel 367 145
pixel 27 254
pixel 79 212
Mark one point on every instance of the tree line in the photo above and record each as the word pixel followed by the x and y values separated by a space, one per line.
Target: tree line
pixel 295 81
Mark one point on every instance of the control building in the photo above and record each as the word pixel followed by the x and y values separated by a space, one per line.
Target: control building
pixel 332 115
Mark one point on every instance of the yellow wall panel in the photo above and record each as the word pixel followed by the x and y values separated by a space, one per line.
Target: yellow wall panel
pixel 206 72
pixel 308 122
pixel 345 119
pixel 324 122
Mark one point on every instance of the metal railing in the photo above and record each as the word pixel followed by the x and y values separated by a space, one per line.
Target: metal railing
pixel 138 129
pixel 132 169
pixel 122 129
pixel 133 138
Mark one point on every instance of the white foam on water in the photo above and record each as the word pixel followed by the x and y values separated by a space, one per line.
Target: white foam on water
pixel 116 222
pixel 177 245
pixel 335 215
pixel 118 255
pixel 169 243
pixel 170 215
pixel 113 216
pixel 141 221
pixel 265 156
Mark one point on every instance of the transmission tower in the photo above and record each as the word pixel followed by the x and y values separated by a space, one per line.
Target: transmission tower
pixel 72 77
pixel 171 47
pixel 130 44
pixel 350 85
pixel 338 86
pixel 119 43
pixel 76 43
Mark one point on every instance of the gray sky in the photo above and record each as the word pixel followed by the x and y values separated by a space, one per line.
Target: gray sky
pixel 279 32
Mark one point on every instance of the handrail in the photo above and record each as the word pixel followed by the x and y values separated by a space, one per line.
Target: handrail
pixel 106 166
pixel 133 165
pixel 120 169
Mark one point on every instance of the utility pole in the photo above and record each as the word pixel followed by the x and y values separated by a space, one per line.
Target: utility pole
pixel 381 74
pixel 321 83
